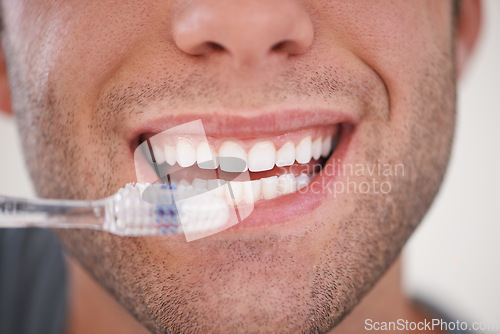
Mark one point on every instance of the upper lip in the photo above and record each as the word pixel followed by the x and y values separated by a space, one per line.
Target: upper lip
pixel 244 124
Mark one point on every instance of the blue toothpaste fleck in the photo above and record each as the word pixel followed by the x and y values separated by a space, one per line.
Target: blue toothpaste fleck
pixel 166 215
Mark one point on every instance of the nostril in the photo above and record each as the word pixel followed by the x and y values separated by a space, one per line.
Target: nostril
pixel 215 46
pixel 206 48
pixel 288 46
pixel 279 46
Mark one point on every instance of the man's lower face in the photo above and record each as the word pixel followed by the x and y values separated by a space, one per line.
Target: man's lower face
pixel 302 259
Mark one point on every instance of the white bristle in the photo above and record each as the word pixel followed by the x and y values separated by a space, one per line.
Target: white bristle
pixel 150 209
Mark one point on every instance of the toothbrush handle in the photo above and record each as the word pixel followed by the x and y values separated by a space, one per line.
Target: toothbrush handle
pixel 49 213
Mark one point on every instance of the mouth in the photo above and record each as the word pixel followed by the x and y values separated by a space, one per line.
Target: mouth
pixel 281 167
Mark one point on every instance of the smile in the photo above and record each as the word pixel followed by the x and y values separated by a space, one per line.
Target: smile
pixel 279 167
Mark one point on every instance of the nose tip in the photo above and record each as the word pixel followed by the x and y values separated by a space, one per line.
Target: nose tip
pixel 248 30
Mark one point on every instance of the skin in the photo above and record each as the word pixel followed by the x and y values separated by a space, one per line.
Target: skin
pixel 82 74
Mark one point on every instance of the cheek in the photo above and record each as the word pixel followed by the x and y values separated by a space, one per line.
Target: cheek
pixel 398 41
pixel 69 57
pixel 99 39
pixel 413 62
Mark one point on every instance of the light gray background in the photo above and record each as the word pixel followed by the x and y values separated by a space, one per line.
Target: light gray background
pixel 453 260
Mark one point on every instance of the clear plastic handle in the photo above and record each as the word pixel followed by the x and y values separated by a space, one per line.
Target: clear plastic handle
pixel 18 212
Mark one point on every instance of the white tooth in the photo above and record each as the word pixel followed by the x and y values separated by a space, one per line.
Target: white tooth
pixel 316 148
pixel 286 155
pixel 200 184
pixel 198 191
pixel 206 156
pixel 262 156
pixel 159 155
pixel 183 183
pixel 231 149
pixel 217 186
pixel 180 193
pixel 237 189
pixel 303 152
pixel 186 155
pixel 287 184
pixel 170 154
pixel 214 183
pixel 269 187
pixel 251 191
pixel 142 186
pixel 189 192
pixel 302 181
pixel 326 146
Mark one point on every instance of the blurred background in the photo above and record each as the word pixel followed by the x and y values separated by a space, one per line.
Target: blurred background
pixel 453 260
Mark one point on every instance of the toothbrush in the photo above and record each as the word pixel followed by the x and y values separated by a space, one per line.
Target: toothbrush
pixel 135 210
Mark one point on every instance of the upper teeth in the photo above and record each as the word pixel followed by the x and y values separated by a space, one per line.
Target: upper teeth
pixel 262 156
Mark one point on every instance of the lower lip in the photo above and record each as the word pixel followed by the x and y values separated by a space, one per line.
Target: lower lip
pixel 292 206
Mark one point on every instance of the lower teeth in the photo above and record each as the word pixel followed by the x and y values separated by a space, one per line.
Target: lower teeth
pixel 247 191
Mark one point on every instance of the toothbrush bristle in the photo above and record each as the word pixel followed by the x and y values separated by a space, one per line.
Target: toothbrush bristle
pixel 145 209
pixel 159 209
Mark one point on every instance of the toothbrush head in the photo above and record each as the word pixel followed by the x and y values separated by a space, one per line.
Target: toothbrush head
pixel 142 209
pixel 156 209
